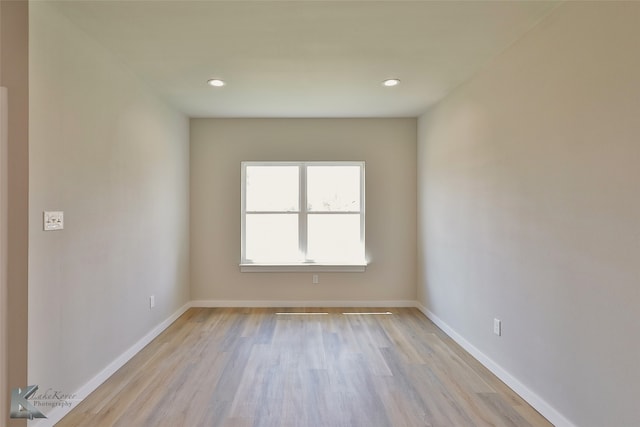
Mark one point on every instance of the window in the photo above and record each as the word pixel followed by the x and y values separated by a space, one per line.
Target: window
pixel 302 215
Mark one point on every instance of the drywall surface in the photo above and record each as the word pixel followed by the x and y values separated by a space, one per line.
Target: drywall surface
pixel 529 211
pixel 115 159
pixel 388 147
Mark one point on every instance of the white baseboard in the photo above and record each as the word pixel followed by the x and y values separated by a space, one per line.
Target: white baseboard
pixel 539 404
pixel 298 303
pixel 58 413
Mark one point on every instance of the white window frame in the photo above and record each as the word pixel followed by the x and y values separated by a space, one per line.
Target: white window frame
pixel 250 266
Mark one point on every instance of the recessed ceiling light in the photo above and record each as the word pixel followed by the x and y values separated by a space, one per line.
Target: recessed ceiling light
pixel 391 82
pixel 216 82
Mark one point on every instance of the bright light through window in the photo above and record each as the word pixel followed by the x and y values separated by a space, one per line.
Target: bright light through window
pixel 261 181
pixel 303 213
pixel 272 238
pixel 334 237
pixel 333 188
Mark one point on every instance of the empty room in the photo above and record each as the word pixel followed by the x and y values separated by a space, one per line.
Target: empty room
pixel 319 213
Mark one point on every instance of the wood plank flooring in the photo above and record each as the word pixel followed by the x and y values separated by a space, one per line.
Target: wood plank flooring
pixel 255 368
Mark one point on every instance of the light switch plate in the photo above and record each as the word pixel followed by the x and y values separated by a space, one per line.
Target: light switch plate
pixel 53 220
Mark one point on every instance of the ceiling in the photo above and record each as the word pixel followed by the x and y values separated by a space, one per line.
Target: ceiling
pixel 305 58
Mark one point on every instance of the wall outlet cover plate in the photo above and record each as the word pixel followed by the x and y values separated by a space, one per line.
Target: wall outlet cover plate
pixel 53 220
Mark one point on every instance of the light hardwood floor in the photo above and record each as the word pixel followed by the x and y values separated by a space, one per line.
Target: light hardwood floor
pixel 254 367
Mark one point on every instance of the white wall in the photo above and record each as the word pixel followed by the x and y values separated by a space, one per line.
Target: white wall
pixel 115 159
pixel 529 211
pixel 387 146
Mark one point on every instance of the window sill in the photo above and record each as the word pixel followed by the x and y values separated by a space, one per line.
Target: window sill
pixel 293 268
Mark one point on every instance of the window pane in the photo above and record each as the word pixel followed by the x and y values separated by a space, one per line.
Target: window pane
pixel 334 238
pixel 333 188
pixel 272 188
pixel 272 238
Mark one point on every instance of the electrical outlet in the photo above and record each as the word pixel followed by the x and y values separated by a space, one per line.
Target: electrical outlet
pixel 497 327
pixel 152 301
pixel 314 279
